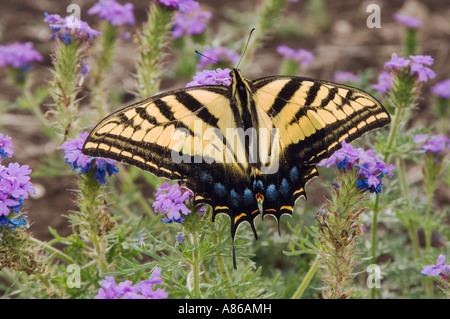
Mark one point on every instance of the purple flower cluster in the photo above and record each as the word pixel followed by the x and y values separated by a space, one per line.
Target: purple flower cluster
pixel 192 22
pixel 385 82
pixel 114 12
pixel 303 56
pixel 19 55
pixel 126 289
pixel 344 76
pixel 181 5
pixel 442 89
pixel 82 163
pixel 6 147
pixel 410 22
pixel 371 168
pixel 439 269
pixel 220 55
pixel 435 143
pixel 69 27
pixel 211 77
pixel 15 186
pixel 418 65
pixel 171 200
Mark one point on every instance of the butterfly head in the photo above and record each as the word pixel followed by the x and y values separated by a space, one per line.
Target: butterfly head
pixel 239 84
pixel 235 73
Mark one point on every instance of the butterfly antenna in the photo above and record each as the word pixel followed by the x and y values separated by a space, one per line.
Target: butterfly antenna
pixel 207 57
pixel 246 46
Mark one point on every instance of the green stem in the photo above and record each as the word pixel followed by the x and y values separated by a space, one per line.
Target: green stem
pixel 387 153
pixel 309 275
pixel 411 42
pixel 392 134
pixel 33 104
pixel 196 265
pixel 103 59
pixel 411 225
pixel 152 41
pixel 428 231
pixel 289 67
pixel 93 220
pixel 267 14
pixel 52 250
pixel 223 269
pixel 64 88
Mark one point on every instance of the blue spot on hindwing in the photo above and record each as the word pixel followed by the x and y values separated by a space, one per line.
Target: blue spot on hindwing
pixel 234 198
pixel 248 197
pixel 284 187
pixel 258 186
pixel 205 178
pixel 294 174
pixel 220 190
pixel 272 193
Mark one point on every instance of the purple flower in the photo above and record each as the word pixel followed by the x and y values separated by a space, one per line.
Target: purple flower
pixel 442 89
pixel 69 27
pixel 193 22
pixel 18 55
pixel 409 21
pixel 397 63
pixel 15 180
pixel 439 269
pixel 303 56
pixel 371 168
pixel 181 5
pixel 416 65
pixel 113 12
pixel 385 82
pixel 220 55
pixel 434 143
pixel 82 163
pixel 84 68
pixel 343 76
pixel 15 186
pixel 171 200
pixel 6 147
pixel 6 203
pixel 211 77
pixel 126 289
pixel 422 59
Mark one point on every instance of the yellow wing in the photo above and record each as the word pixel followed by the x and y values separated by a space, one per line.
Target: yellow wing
pixel 167 133
pixel 181 135
pixel 314 116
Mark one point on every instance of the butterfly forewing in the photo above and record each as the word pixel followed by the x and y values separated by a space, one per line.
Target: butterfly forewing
pixel 315 116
